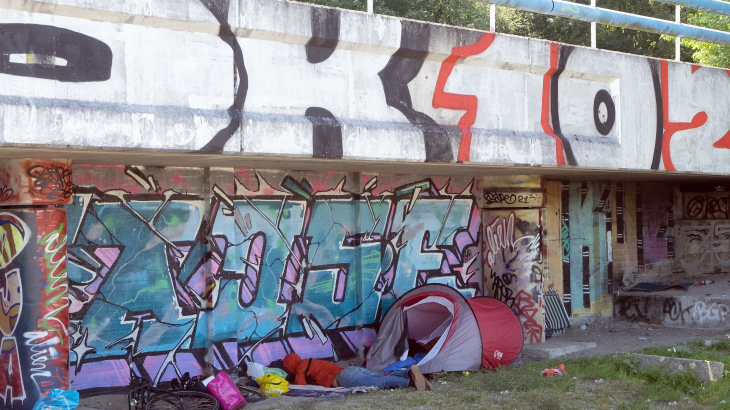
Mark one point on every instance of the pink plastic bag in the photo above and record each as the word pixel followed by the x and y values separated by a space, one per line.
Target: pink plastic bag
pixel 223 389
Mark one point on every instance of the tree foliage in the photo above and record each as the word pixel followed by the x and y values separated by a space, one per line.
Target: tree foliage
pixel 578 32
pixel 707 53
pixel 465 13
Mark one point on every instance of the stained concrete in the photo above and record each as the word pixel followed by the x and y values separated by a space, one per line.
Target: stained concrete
pixel 706 371
pixel 700 307
pixel 553 348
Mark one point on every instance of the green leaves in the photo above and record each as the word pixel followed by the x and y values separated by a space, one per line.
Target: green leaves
pixel 475 15
pixel 706 53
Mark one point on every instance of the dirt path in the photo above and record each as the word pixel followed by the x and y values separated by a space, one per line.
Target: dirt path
pixel 617 336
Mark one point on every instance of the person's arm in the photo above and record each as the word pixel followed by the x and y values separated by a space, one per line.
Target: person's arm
pixel 299 377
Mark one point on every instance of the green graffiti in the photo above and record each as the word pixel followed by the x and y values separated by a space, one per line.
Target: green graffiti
pixel 56 288
pixel 159 286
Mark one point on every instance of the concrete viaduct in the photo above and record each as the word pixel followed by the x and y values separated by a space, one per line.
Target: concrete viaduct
pixel 189 185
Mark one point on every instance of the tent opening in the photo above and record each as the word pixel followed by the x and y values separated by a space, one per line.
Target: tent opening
pixel 429 323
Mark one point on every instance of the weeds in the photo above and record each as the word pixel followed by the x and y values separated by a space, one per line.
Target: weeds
pixel 601 382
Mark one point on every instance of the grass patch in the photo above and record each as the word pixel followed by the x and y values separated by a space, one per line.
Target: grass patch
pixel 600 382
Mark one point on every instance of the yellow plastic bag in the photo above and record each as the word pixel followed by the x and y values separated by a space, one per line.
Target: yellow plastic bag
pixel 272 385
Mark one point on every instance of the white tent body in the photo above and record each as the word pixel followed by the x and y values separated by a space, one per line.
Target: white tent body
pixel 431 311
pixel 428 319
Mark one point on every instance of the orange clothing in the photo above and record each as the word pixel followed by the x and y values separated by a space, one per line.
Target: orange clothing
pixel 555 371
pixel 323 372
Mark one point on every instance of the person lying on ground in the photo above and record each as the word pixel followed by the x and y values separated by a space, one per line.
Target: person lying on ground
pixel 331 375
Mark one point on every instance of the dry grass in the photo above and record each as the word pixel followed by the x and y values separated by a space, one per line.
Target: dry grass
pixel 608 382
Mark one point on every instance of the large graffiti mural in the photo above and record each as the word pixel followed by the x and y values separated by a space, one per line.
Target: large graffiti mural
pixel 513 265
pixel 34 348
pixel 167 278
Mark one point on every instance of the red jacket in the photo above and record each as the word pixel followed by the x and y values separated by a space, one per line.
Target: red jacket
pixel 323 372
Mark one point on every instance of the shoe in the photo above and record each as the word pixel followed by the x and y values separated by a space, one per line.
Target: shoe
pixel 417 379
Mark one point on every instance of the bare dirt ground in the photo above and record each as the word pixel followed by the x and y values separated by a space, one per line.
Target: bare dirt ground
pixel 619 336
pixel 611 337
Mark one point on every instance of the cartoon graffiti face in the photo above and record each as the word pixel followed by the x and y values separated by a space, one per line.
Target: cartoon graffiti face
pixel 13 238
pixel 12 301
pixel 705 246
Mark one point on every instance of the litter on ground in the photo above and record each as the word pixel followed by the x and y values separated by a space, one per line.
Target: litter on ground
pixel 555 371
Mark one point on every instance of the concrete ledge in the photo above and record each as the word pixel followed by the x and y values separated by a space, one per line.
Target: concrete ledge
pixel 682 311
pixel 705 371
pixel 554 348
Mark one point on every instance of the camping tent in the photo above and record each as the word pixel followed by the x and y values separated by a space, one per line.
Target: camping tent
pixel 461 334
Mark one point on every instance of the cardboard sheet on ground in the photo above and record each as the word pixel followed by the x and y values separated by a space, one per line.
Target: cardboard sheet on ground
pixel 323 393
pixel 656 287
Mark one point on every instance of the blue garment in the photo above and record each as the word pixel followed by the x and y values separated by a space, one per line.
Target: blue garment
pixel 404 364
pixel 399 365
pixel 354 376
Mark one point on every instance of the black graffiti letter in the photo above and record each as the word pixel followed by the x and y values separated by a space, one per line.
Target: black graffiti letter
pixel 56 53
pixel 402 68
pixel 327 134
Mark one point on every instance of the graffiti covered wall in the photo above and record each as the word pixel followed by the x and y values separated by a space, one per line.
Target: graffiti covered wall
pixel 706 205
pixel 657 222
pixel 180 269
pixel 590 236
pixel 35 182
pixel 513 265
pixel 582 245
pixel 674 311
pixel 701 243
pixel 34 349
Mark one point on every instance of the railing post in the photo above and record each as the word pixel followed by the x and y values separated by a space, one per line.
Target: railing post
pixel 593 28
pixel 493 17
pixel 677 39
pixel 370 6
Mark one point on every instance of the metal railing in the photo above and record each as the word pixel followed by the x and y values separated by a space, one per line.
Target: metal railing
pixel 594 14
pixel 715 6
pixel 614 18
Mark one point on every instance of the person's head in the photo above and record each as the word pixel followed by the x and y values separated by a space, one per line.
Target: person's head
pixel 290 362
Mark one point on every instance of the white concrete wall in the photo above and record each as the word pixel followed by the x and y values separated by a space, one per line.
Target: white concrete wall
pixel 176 84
